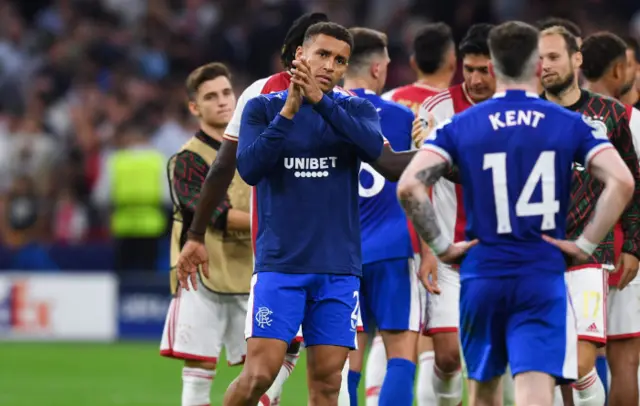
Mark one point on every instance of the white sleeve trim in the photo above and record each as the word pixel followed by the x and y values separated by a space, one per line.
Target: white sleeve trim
pixel 594 151
pixel 254 89
pixel 434 148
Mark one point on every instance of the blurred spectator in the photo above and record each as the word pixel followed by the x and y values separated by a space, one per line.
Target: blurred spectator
pixel 74 72
pixel 132 191
pixel 20 231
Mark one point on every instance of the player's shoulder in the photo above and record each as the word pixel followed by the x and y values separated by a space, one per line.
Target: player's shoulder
pixel 395 108
pixel 441 98
pixel 597 100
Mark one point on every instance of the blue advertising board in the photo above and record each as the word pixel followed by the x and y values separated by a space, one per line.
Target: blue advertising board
pixel 142 307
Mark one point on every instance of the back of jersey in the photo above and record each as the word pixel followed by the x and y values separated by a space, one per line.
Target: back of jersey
pixel 515 154
pixel 383 224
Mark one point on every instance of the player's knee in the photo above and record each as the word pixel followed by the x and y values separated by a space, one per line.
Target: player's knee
pixel 325 384
pixel 447 361
pixel 256 380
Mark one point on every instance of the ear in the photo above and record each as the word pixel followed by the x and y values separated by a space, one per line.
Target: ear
pixel 577 60
pixel 539 68
pixel 193 108
pixel 492 71
pixel 375 70
pixel 413 64
pixel 299 52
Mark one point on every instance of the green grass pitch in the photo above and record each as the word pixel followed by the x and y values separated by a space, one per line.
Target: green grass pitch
pixel 120 374
pixel 131 374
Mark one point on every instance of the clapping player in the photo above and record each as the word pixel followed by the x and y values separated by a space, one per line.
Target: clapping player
pixel 302 149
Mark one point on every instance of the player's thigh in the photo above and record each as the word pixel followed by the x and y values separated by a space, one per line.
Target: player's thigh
pixel 331 315
pixel 623 312
pixel 542 321
pixel 391 292
pixel 483 319
pixel 234 343
pixel 276 305
pixel 442 310
pixel 195 326
pixel 588 291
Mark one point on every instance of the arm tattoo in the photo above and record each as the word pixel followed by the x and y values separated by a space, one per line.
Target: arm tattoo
pixel 417 205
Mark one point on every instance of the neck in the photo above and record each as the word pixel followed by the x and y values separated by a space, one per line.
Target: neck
pixel 358 83
pixel 439 80
pixel 598 87
pixel 214 132
pixel 531 86
pixel 568 97
pixel 631 97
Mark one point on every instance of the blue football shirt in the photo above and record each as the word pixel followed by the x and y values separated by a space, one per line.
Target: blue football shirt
pixel 306 175
pixel 384 227
pixel 515 154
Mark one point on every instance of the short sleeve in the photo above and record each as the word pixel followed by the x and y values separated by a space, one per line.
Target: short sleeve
pixel 591 138
pixel 441 142
pixel 233 128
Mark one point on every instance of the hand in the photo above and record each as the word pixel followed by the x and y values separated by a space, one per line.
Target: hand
pixel 569 248
pixel 629 265
pixel 456 251
pixel 193 254
pixel 419 132
pixel 428 273
pixel 301 76
pixel 293 102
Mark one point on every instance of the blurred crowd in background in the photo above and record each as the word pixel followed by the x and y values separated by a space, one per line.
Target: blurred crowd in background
pixel 78 76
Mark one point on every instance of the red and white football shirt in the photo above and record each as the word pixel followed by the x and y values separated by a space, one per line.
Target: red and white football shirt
pixel 447 196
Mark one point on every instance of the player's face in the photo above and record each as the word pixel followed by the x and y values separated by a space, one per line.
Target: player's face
pixel 478 80
pixel 631 68
pixel 557 66
pixel 327 57
pixel 214 102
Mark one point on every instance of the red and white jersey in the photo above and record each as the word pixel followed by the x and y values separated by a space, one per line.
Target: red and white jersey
pixel 634 125
pixel 447 196
pixel 274 83
pixel 411 95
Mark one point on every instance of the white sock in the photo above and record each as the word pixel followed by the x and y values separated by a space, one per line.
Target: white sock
pixel 274 392
pixel 557 397
pixel 447 387
pixel 196 386
pixel 425 396
pixel 375 371
pixel 588 390
pixel 508 389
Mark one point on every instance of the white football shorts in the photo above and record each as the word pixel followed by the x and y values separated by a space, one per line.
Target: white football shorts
pixel 587 285
pixel 200 322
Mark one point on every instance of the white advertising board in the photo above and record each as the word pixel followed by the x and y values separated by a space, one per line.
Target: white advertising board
pixel 58 306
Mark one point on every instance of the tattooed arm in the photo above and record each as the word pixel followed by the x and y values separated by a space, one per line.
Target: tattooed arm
pixel 414 198
pixel 422 173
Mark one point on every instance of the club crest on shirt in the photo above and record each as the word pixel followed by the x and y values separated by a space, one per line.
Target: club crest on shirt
pixel 598 127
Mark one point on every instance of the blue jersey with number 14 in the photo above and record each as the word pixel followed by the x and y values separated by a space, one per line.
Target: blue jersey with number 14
pixel 383 224
pixel 515 154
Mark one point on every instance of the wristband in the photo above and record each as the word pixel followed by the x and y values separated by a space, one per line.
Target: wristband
pixel 585 245
pixel 439 244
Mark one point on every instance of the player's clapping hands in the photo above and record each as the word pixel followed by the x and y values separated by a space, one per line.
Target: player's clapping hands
pixel 193 255
pixel 302 76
